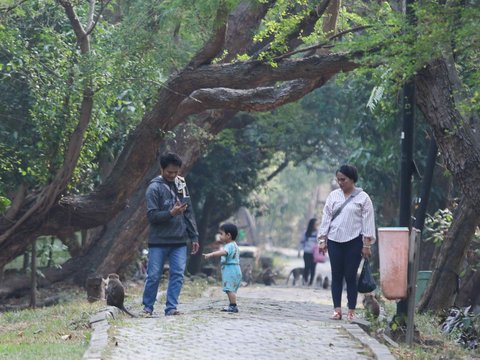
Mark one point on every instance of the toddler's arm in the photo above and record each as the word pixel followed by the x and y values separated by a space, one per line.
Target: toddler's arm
pixel 217 253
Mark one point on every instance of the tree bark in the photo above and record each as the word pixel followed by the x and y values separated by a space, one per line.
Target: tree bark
pixel 439 93
pixel 469 294
pixel 443 285
pixel 438 89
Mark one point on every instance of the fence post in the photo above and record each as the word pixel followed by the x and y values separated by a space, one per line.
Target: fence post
pixel 413 260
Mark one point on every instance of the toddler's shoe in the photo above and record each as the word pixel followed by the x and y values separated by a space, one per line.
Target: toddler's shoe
pixel 230 309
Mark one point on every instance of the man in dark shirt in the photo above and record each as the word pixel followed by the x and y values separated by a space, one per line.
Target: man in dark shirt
pixel 172 224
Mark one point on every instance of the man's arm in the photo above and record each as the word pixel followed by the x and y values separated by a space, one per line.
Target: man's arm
pixel 154 198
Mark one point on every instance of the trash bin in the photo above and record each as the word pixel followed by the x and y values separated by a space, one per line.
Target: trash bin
pixel 393 258
pixel 422 280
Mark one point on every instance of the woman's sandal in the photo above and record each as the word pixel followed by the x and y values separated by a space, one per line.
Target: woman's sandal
pixel 350 315
pixel 337 315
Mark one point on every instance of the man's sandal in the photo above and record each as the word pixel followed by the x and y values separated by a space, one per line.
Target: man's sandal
pixel 337 315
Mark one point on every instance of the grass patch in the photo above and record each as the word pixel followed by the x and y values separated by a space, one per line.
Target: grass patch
pixel 57 332
pixel 430 344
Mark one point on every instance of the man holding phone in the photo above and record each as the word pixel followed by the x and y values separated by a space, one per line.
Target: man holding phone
pixel 172 224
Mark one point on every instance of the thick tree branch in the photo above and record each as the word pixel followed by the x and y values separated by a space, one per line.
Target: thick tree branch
pixel 241 23
pixel 212 48
pixel 258 99
pixel 305 27
pixel 279 169
pixel 77 27
pixel 91 13
pixel 252 73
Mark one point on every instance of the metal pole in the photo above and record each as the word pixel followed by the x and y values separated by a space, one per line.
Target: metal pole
pixel 413 260
pixel 406 166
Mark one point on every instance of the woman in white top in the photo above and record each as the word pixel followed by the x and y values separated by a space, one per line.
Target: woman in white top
pixel 348 232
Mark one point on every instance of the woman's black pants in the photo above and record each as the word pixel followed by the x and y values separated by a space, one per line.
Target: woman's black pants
pixel 344 261
pixel 309 269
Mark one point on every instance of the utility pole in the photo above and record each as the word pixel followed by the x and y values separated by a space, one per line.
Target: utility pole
pixel 406 166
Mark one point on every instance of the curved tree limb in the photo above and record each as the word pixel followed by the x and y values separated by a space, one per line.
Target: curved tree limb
pixel 258 99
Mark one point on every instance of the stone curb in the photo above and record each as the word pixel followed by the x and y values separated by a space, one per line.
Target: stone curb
pixel 379 351
pixel 100 326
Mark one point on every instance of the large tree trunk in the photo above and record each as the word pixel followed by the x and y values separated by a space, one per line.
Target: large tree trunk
pixel 439 93
pixel 443 285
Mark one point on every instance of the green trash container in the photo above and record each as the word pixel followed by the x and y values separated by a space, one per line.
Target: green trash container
pixel 422 281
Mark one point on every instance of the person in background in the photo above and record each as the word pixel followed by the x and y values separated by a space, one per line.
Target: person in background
pixel 308 244
pixel 347 231
pixel 230 264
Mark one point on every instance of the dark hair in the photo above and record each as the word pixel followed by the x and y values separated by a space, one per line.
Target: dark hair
pixel 229 228
pixel 311 227
pixel 170 159
pixel 349 171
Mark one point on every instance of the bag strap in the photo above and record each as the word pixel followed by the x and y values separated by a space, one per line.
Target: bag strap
pixel 172 192
pixel 361 265
pixel 339 210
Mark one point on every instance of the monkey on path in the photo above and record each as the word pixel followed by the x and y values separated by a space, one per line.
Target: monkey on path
pixel 115 293
pixel 371 305
pixel 326 282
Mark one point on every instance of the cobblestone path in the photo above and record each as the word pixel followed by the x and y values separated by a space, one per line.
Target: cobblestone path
pixel 273 323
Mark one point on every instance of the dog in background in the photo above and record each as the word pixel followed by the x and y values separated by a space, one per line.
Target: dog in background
pixel 295 274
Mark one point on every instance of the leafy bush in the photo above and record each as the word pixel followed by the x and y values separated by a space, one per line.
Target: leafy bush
pixel 4 204
pixel 463 325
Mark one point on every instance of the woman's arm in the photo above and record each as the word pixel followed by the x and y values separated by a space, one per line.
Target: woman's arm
pixel 368 222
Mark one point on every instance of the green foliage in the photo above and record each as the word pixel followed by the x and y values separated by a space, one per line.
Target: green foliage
pixel 42 77
pixel 386 37
pixel 226 174
pixel 282 20
pixel 4 204
pixel 436 226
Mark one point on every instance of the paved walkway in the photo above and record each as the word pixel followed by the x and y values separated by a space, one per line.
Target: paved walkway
pixel 273 323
